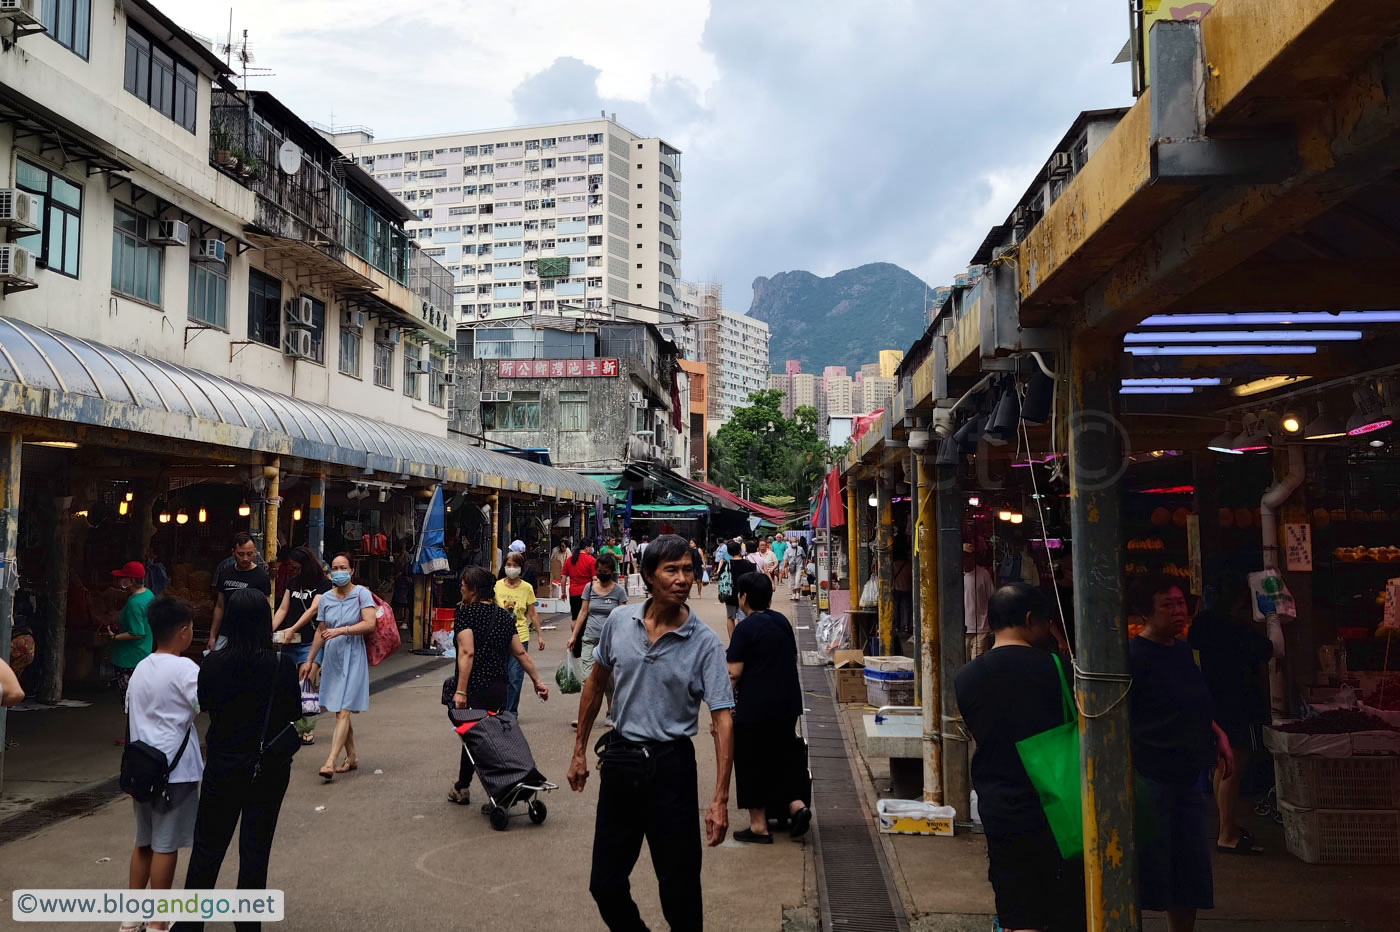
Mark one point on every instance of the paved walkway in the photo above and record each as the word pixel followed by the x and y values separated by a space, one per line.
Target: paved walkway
pixel 382 848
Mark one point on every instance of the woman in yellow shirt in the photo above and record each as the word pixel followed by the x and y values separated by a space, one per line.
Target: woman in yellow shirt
pixel 518 597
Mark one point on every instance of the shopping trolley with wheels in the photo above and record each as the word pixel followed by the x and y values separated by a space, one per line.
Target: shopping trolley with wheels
pixel 498 750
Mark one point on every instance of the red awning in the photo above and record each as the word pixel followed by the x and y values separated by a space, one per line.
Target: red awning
pixel 776 515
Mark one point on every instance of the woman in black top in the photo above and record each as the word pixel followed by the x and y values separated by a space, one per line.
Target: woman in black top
pixel 250 691
pixel 770 760
pixel 737 567
pixel 486 637
pixel 294 623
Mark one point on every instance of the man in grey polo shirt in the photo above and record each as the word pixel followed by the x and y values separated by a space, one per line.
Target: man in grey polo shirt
pixel 662 660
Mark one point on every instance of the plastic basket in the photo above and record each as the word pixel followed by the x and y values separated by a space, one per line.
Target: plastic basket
pixel 1342 836
pixel 1338 782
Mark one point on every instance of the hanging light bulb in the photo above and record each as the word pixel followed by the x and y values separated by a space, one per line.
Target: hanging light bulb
pixel 130 496
pixel 296 514
pixel 163 517
pixel 873 501
pixel 244 510
pixel 1004 515
pixel 1017 517
pixel 974 500
pixel 203 514
pixel 182 517
pixel 122 508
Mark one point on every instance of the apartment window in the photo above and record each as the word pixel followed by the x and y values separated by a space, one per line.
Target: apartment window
pixel 433 173
pixel 595 240
pixel 137 266
pixel 350 352
pixel 264 309
pixel 437 385
pixel 595 159
pixel 68 23
pixel 522 412
pixel 60 218
pixel 547 142
pixel 155 75
pixel 469 151
pixel 209 293
pixel 412 352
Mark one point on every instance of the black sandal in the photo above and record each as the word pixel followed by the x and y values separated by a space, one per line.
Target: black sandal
pixel 752 837
pixel 801 821
pixel 1246 845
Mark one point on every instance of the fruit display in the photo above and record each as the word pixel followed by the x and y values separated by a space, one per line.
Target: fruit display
pixel 1390 554
pixel 1151 543
pixel 1336 722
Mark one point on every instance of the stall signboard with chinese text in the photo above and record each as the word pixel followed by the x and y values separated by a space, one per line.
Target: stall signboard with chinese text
pixel 557 368
pixel 1297 542
pixel 1391 619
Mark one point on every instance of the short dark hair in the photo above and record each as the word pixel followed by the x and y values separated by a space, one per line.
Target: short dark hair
pixel 478 580
pixel 1144 591
pixel 607 563
pixel 1009 606
pixel 758 587
pixel 664 549
pixel 166 616
pixel 241 538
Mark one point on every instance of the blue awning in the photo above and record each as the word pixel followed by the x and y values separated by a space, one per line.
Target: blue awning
pixel 48 374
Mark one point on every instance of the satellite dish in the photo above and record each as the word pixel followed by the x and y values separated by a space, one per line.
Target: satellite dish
pixel 289 158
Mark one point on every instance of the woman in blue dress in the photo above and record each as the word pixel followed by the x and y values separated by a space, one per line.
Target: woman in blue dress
pixel 346 614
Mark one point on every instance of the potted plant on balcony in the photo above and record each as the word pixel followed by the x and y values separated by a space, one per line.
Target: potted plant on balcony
pixel 251 169
pixel 223 146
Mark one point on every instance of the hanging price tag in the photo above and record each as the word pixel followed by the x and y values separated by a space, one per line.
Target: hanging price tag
pixel 1297 542
pixel 1392 605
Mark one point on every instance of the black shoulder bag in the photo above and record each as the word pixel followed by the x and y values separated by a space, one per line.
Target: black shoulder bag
pixel 145 773
pixel 280 748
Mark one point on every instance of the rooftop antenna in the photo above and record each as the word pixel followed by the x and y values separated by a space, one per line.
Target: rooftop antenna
pixel 240 51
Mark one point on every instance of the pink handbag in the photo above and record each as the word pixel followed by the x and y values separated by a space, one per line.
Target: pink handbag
pixel 385 639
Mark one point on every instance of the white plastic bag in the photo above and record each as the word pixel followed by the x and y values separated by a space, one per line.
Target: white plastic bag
pixel 444 641
pixel 870 595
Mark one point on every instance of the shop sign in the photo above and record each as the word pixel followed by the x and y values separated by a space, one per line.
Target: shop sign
pixel 1193 549
pixel 1297 544
pixel 1392 605
pixel 556 368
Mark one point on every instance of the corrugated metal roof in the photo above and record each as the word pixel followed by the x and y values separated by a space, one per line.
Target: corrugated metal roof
pixel 91 383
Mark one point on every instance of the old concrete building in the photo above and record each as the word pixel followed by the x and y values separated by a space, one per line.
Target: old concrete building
pixel 594 395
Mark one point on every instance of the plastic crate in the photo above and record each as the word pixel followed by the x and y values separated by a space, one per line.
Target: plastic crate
pixel 1342 836
pixel 1338 782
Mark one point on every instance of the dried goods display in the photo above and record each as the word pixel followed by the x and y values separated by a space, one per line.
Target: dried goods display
pixel 1336 722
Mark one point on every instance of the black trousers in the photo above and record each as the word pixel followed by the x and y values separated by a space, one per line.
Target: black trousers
pixel 770 766
pixel 576 603
pixel 230 795
pixel 663 811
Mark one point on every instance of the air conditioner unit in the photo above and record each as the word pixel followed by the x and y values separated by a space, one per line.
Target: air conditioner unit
pixel 634 397
pixel 420 366
pixel 18 209
pixel 386 335
pixel 1060 165
pixel 352 320
pixel 297 344
pixel 174 233
pixel 448 378
pixel 212 250
pixel 488 397
pixel 301 312
pixel 16 265
pixel 21 12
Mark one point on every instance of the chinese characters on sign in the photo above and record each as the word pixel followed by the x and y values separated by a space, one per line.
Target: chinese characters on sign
pixel 556 368
pixel 1298 541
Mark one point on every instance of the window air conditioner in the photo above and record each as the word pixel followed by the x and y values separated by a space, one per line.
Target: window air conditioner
pixel 18 209
pixel 174 233
pixel 301 312
pixel 634 397
pixel 488 398
pixel 212 250
pixel 449 378
pixel 420 366
pixel 16 265
pixel 386 335
pixel 21 12
pixel 352 320
pixel 297 344
pixel 1060 165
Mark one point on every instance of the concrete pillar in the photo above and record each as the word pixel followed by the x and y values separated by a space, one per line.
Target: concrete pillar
pixel 273 473
pixel 11 455
pixel 495 531
pixel 915 634
pixel 927 624
pixel 957 788
pixel 56 581
pixel 884 546
pixel 1095 465
pixel 421 594
pixel 866 532
pixel 852 541
pixel 316 518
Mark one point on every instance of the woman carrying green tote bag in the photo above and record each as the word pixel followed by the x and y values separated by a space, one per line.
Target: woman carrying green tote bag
pixel 1051 759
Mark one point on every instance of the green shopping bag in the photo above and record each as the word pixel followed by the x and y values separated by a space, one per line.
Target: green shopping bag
pixel 1051 759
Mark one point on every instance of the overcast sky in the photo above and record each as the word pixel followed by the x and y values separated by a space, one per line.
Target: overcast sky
pixel 816 135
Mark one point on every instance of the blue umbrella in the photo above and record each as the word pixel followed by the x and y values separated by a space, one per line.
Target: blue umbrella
pixel 431 558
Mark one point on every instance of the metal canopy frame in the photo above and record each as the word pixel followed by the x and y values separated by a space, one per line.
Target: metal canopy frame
pixel 54 132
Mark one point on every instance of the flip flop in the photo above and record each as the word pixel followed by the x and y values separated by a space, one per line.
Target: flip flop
pixel 1244 846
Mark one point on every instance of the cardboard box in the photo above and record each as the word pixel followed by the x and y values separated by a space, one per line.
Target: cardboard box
pixel 850 676
pixel 911 817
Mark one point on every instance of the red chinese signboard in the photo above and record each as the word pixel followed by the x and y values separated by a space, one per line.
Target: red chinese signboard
pixel 556 368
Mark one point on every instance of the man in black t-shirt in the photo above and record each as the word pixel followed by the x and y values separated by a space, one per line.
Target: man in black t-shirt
pixel 243 573
pixel 1007 694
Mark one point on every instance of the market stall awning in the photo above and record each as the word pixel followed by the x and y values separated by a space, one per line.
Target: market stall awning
pixel 645 510
pixel 775 515
pixel 51 375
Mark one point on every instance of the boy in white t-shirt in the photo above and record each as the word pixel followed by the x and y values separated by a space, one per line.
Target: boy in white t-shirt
pixel 161 703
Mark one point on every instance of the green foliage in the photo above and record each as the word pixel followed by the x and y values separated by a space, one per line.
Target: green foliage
pixel 776 457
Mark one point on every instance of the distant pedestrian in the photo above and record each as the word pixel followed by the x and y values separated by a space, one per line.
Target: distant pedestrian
pixel 486 639
pixel 697 560
pixel 1005 695
pixel 600 597
pixel 132 641
pixel 294 623
pixel 977 590
pixel 557 556
pixel 770 760
pixel 737 568
pixel 578 573
pixel 797 559
pixel 662 660
pixel 250 692
pixel 518 597
pixel 346 613
pixel 527 572
pixel 241 571
pixel 161 704
pixel 780 549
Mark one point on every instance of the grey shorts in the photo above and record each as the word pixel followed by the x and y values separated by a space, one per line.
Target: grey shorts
pixel 166 829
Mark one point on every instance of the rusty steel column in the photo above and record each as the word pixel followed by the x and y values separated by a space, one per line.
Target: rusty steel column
pixel 316 518
pixel 926 597
pixel 495 532
pixel 865 530
pixel 273 473
pixel 852 540
pixel 11 455
pixel 1096 464
pixel 915 634
pixel 884 546
pixel 957 788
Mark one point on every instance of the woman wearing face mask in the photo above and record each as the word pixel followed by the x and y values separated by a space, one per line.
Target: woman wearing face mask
pixel 346 614
pixel 518 597
pixel 600 597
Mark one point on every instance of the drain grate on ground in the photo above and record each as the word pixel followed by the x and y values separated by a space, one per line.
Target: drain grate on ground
pixel 853 881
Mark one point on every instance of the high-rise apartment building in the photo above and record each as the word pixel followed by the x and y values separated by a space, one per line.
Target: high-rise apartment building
pixel 779 382
pixel 889 361
pixel 804 390
pixel 794 366
pixel 870 370
pixel 562 218
pixel 838 395
pixel 831 372
pixel 733 346
pixel 877 390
